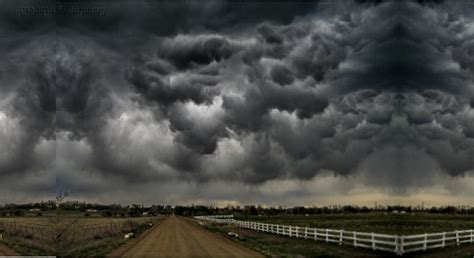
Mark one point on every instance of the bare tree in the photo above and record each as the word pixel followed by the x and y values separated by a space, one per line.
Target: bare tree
pixel 62 226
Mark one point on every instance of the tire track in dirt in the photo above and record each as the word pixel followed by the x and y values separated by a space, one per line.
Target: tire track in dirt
pixel 177 237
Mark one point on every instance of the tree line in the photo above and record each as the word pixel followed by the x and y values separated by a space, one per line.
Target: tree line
pixel 256 210
pixel 138 210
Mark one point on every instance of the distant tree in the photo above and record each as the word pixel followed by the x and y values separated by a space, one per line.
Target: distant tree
pixel 449 210
pixel 253 210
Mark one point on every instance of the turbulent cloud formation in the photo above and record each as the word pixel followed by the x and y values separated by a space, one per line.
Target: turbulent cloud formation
pixel 225 95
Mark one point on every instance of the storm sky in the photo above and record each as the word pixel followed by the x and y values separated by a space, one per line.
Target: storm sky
pixel 305 103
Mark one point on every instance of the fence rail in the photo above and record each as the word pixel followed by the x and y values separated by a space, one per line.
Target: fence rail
pixel 398 244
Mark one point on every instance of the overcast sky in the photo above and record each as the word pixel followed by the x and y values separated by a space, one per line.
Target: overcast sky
pixel 221 103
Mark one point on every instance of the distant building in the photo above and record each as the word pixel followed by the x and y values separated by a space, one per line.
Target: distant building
pixel 91 210
pixel 35 210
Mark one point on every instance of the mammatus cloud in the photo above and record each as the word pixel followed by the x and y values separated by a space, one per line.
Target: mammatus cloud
pixel 375 98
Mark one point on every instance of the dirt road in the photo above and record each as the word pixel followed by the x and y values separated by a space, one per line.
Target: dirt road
pixel 177 237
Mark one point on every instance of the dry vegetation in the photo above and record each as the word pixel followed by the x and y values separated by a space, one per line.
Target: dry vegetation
pixel 63 235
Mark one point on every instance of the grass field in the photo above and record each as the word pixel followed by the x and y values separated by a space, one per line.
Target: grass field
pixel 375 222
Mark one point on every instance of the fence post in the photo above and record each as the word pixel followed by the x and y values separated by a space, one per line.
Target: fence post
pixel 425 242
pixel 340 236
pixel 402 245
pixel 305 232
pixel 396 243
pixel 457 237
pixel 297 230
pixel 472 235
pixel 373 240
pixel 444 239
pixel 327 235
pixel 315 234
pixel 355 237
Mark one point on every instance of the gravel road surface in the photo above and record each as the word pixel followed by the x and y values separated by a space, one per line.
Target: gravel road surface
pixel 178 237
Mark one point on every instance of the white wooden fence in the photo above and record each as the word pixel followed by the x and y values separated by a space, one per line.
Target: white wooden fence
pixel 398 244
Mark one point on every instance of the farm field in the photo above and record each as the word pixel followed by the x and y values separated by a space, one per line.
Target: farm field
pixel 374 222
pixel 68 235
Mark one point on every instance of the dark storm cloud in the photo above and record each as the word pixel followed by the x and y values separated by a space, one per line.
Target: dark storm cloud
pixel 249 92
pixel 281 75
pixel 28 99
pixel 27 106
pixel 197 52
pixel 314 92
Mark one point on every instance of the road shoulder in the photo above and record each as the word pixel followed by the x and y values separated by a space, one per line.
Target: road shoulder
pixel 121 250
pixel 201 226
